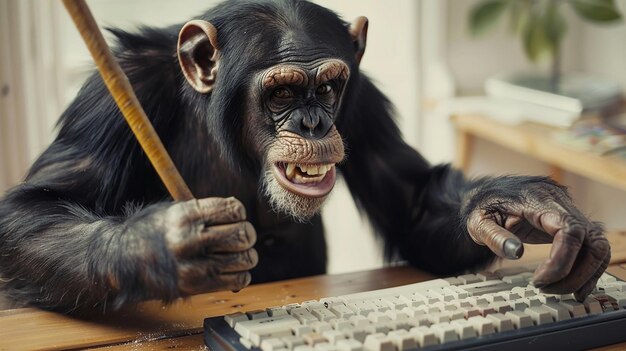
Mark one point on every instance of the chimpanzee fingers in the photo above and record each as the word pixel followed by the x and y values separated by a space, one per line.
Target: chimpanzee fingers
pixel 219 238
pixel 217 272
pixel 586 289
pixel 566 245
pixel 503 243
pixel 221 282
pixel 214 210
pixel 233 262
pixel 593 258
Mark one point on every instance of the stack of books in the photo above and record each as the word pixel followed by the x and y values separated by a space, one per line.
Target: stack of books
pixel 579 96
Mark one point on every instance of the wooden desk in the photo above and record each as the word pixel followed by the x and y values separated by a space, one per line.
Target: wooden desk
pixel 534 140
pixel 151 326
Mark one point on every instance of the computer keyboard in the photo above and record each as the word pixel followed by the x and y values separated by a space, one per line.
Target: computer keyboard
pixel 499 310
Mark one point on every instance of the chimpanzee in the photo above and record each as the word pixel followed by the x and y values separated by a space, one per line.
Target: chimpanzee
pixel 261 104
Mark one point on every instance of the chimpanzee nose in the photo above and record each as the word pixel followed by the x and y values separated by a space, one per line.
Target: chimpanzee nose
pixel 312 122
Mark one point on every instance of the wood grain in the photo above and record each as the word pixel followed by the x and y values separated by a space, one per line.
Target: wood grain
pixel 153 326
pixel 535 140
pixel 150 321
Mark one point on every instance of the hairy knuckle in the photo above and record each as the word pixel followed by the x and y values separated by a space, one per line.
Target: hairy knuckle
pixel 237 208
pixel 247 234
pixel 253 258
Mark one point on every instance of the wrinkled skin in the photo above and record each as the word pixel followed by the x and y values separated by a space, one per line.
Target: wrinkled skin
pixel 544 213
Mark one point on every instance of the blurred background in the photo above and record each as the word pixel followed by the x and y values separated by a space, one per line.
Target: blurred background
pixel 483 62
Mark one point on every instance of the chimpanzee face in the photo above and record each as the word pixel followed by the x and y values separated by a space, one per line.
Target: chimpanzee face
pixel 290 110
pixel 300 103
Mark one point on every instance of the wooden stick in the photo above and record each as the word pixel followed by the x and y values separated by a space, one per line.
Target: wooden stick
pixel 121 90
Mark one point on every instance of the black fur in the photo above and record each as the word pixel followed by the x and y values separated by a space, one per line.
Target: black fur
pixel 76 221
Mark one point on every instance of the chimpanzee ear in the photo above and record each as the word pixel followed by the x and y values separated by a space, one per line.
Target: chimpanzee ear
pixel 198 54
pixel 358 31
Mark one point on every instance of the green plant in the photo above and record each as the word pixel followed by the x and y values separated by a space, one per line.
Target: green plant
pixel 540 24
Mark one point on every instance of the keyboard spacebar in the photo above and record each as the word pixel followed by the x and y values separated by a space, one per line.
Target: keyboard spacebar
pixel 417 287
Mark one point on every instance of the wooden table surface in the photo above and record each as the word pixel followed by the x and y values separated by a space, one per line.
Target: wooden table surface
pixel 151 326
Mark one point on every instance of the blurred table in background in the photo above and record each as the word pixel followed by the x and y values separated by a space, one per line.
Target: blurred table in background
pixel 535 140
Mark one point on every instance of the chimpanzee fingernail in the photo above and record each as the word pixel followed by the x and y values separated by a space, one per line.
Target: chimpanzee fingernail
pixel 513 249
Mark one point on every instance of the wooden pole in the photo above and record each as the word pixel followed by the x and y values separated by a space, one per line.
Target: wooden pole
pixel 123 94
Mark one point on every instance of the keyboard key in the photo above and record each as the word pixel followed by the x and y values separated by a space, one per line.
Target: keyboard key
pixel 258 314
pixel 402 340
pixel 412 300
pixel 502 306
pixel 424 336
pixel 501 322
pixel 357 333
pixel 539 314
pixel 512 279
pixel 341 324
pixel 359 320
pixel 234 318
pixel 341 311
pixel 292 341
pixel 324 346
pixel 272 344
pixel 518 305
pixel 469 312
pixel 303 348
pixel 303 315
pixel 482 325
pixel 558 311
pixel 312 304
pixel 333 336
pixel 320 327
pixel 445 332
pixel 314 338
pixel 378 342
pixel 276 311
pixel 300 330
pixel 395 302
pixel 592 305
pixel 378 317
pixel 267 325
pixel 331 301
pixel 575 308
pixel 469 278
pixel 396 315
pixel 464 329
pixel 349 345
pixel 323 314
pixel 485 276
pixel 520 319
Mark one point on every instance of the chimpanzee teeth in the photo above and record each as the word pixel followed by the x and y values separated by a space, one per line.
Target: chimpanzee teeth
pixel 307 173
pixel 290 171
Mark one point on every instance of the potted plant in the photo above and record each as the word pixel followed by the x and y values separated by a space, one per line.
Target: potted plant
pixel 541 26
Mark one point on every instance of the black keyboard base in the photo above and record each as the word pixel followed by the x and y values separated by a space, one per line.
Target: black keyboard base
pixel 574 334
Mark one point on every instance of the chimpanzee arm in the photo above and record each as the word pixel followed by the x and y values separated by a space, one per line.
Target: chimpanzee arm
pixel 442 222
pixel 57 254
pixel 416 207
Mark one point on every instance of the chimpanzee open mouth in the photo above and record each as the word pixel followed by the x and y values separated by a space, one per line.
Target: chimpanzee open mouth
pixel 309 180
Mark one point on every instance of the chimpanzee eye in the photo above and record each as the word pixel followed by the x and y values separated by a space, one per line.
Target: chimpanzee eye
pixel 281 93
pixel 324 89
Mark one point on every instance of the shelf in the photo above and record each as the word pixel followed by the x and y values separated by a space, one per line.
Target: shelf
pixel 534 140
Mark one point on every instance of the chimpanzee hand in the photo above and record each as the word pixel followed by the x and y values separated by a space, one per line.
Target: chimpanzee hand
pixel 209 241
pixel 537 210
